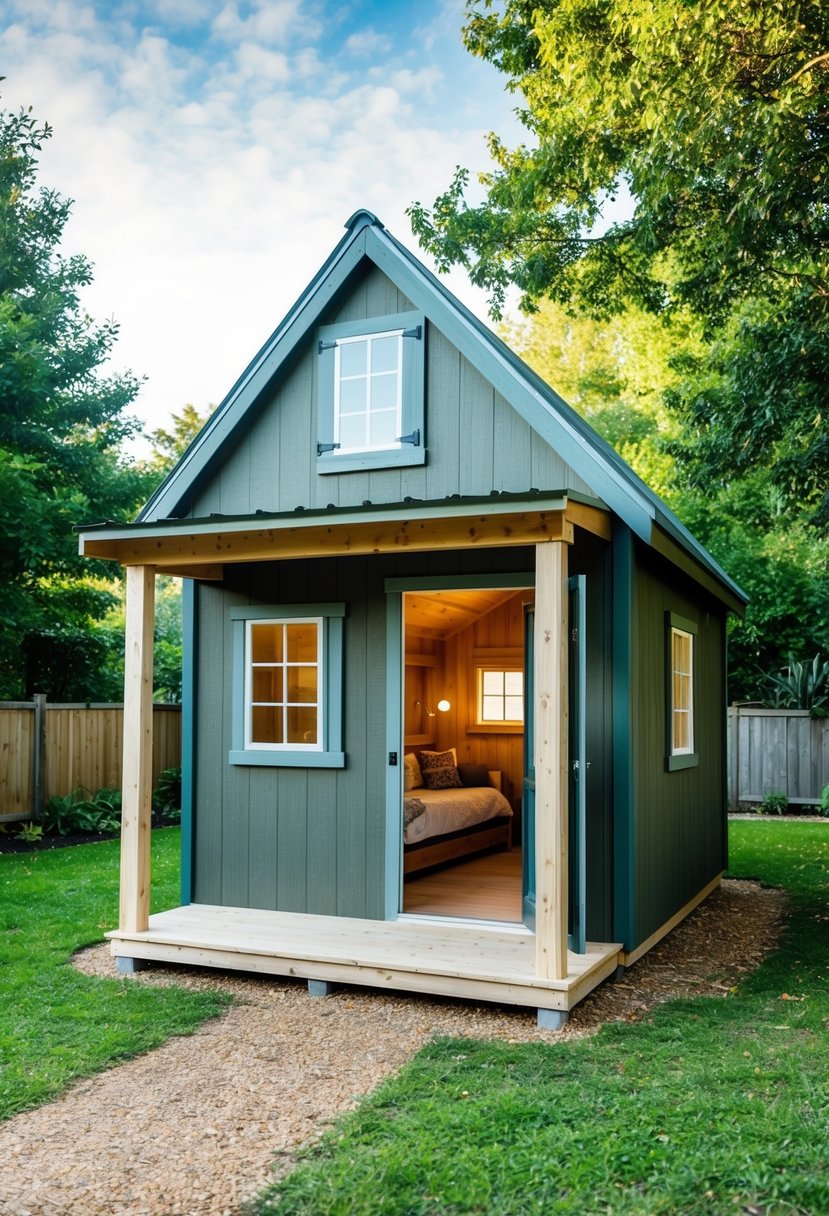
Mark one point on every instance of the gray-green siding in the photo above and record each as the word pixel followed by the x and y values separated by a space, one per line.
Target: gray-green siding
pixel 295 839
pixel 678 817
pixel 476 441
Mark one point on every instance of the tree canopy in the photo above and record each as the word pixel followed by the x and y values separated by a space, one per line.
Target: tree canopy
pixel 714 116
pixel 62 425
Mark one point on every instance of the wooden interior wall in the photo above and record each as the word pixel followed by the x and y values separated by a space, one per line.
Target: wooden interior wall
pixel 495 637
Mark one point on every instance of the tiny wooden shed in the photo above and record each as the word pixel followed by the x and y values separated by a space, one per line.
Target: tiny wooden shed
pixel 408 565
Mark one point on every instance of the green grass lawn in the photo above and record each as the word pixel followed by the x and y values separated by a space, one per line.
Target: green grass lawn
pixel 55 1024
pixel 710 1106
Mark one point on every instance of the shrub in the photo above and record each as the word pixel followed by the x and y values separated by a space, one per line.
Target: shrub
pixel 167 795
pixel 30 832
pixel 774 803
pixel 81 811
pixel 824 801
pixel 801 685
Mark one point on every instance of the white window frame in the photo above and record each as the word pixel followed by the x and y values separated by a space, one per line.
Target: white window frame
pixel 319 704
pixel 368 376
pixel 676 756
pixel 327 752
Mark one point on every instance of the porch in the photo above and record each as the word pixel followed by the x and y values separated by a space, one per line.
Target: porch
pixel 476 961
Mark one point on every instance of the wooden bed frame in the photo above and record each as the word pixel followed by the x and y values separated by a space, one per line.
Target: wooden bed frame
pixel 494 833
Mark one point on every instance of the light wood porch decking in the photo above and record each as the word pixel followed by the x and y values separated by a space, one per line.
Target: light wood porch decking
pixel 488 962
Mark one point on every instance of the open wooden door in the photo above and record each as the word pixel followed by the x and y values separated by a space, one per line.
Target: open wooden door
pixel 577 836
pixel 528 783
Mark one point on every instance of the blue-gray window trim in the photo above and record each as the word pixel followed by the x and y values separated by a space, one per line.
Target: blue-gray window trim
pixel 332 755
pixel 685 759
pixel 413 422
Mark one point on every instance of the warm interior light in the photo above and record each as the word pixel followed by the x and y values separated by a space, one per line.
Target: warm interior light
pixel 444 706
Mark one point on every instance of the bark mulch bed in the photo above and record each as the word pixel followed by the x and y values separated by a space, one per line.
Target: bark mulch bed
pixel 201 1125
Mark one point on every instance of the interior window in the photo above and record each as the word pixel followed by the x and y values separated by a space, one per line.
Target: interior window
pixel 500 695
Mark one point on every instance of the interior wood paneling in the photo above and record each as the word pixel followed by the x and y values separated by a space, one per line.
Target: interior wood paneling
pixel 478 626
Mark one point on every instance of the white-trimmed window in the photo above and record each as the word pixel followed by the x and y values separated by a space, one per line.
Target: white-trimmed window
pixel 370 402
pixel 283 685
pixel 681 660
pixel 368 392
pixel 500 696
pixel 287 685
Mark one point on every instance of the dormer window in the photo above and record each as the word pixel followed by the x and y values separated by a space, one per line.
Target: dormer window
pixel 371 408
pixel 368 384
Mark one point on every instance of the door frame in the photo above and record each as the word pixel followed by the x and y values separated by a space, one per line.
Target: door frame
pixel 395 684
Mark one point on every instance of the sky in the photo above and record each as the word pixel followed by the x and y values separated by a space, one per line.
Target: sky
pixel 214 150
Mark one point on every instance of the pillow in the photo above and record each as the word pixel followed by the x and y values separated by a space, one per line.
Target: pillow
pixel 412 776
pixel 440 770
pixel 474 774
pixel 450 751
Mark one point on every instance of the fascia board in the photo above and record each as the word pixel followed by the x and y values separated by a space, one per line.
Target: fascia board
pixel 553 427
pixel 292 330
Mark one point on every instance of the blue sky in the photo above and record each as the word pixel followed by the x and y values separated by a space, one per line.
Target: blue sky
pixel 214 150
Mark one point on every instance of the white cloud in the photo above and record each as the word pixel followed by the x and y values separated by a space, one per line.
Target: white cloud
pixel 271 21
pixel 211 180
pixel 367 43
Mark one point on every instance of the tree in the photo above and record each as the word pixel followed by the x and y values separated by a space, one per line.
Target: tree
pixel 714 115
pixel 618 375
pixel 61 428
pixel 168 446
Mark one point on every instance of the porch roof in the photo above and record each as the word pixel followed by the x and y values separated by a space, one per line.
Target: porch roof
pixel 199 548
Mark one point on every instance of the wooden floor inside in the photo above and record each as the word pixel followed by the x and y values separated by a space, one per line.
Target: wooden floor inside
pixel 485 888
pixel 444 957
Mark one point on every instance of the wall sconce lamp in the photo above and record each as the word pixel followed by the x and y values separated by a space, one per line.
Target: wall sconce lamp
pixel 443 705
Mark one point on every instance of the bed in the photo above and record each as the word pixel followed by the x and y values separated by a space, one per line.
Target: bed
pixel 447 823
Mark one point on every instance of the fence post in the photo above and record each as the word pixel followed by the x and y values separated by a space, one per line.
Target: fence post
pixel 734 767
pixel 38 753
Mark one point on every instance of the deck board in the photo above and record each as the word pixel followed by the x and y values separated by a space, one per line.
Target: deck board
pixel 479 961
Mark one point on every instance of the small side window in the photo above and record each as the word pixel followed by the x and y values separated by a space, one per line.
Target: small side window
pixel 680 650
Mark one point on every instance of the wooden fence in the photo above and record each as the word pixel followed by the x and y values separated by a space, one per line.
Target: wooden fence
pixel 776 750
pixel 54 749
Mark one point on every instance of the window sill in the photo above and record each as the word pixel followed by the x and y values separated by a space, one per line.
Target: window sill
pixel 675 763
pixel 357 462
pixel 288 759
pixel 496 728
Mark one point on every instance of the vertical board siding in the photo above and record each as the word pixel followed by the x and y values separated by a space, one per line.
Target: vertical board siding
pixel 309 840
pixel 476 442
pixel 679 815
pixel 773 751
pixel 83 749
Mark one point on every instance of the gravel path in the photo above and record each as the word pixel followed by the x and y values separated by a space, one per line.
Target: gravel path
pixel 202 1124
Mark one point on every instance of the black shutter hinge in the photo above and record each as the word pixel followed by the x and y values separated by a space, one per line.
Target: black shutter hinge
pixel 321 346
pixel 417 332
pixel 414 438
pixel 326 447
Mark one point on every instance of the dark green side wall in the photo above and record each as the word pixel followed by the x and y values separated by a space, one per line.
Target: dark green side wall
pixel 678 818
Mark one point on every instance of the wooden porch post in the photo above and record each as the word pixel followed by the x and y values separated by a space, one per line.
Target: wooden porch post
pixel 551 776
pixel 138 750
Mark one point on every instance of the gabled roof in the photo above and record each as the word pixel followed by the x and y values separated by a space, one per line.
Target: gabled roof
pixel 540 406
